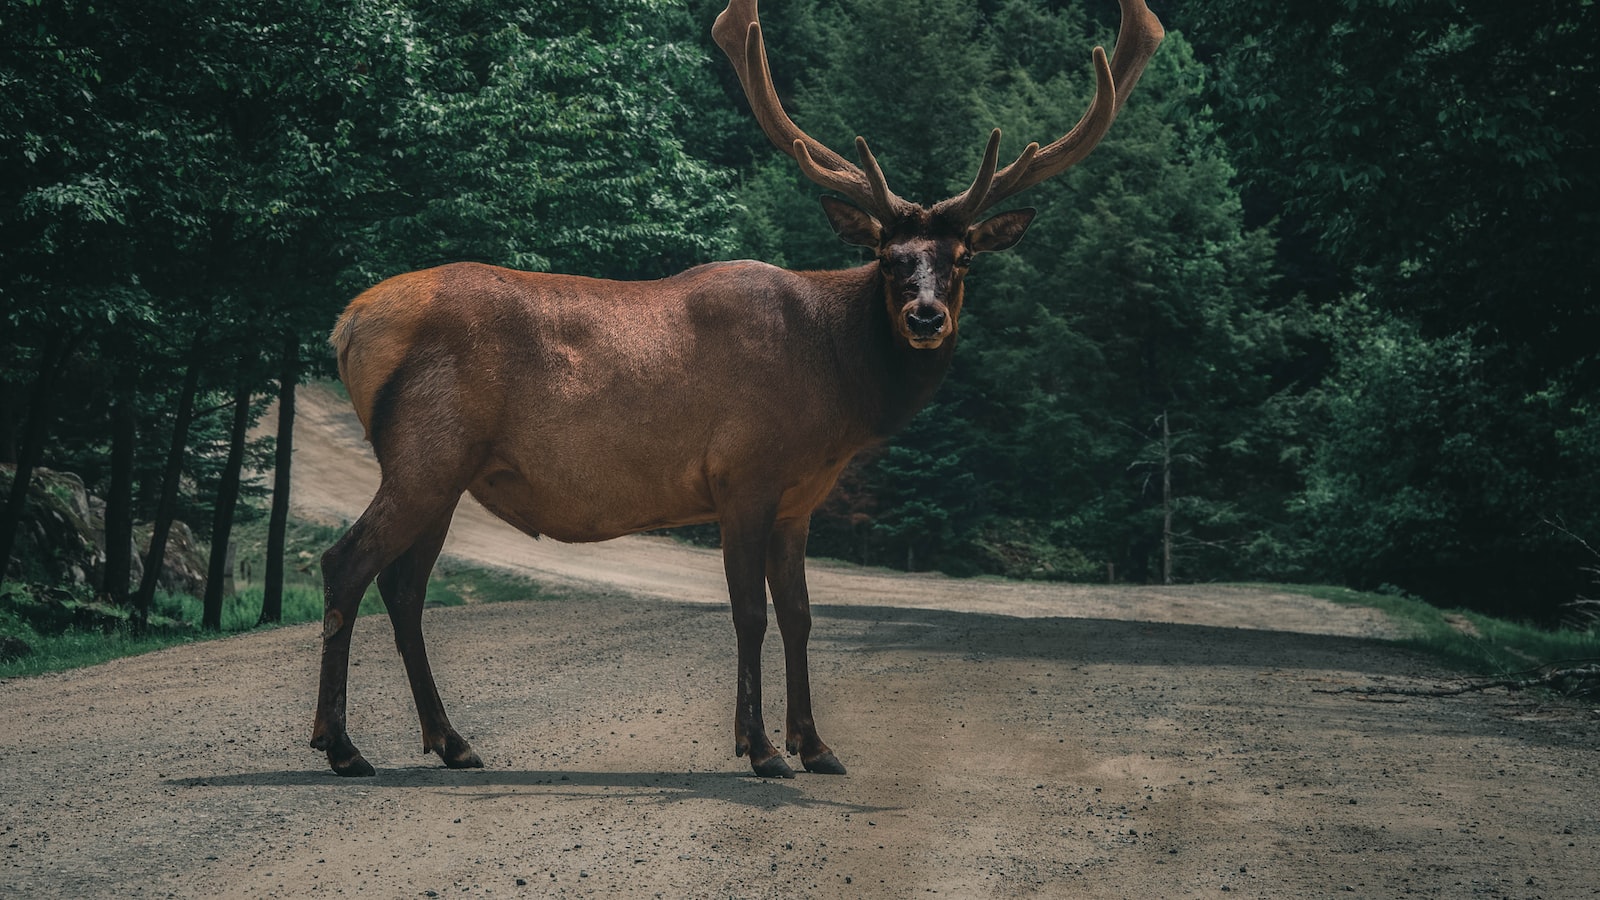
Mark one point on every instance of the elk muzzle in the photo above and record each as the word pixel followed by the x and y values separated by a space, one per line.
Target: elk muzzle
pixel 925 323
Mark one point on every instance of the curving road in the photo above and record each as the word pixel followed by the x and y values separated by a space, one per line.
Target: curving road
pixel 1004 740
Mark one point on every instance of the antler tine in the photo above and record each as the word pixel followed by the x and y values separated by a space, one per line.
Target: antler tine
pixel 881 195
pixel 832 179
pixel 1137 38
pixel 966 206
pixel 1072 147
pixel 737 31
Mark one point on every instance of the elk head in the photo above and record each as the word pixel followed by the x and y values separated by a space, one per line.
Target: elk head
pixel 923 254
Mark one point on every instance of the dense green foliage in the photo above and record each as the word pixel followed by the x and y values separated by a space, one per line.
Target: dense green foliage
pixel 1329 275
pixel 1436 167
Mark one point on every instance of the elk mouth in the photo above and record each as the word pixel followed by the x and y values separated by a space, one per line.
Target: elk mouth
pixel 925 325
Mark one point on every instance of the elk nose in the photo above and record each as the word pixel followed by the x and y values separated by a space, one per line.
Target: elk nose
pixel 925 325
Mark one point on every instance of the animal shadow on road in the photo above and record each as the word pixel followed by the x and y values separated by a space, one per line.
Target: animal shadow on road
pixel 1103 641
pixel 662 788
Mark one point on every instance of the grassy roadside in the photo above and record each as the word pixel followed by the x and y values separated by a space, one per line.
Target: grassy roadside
pixel 1473 642
pixel 452 584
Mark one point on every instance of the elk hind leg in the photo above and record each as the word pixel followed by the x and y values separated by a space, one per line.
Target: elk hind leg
pixel 422 480
pixel 403 584
pixel 347 568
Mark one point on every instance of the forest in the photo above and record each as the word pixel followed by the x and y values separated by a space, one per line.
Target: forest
pixel 1321 308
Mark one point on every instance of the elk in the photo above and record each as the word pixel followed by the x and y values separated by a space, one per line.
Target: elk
pixel 585 409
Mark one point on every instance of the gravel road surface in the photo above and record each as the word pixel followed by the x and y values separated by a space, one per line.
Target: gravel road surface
pixel 1004 740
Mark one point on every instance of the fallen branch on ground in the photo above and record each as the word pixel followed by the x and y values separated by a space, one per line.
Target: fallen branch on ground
pixel 1578 681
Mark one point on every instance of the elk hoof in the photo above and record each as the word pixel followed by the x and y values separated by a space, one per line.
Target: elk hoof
pixel 344 758
pixel 773 766
pixel 458 754
pixel 824 764
pixel 351 765
pixel 354 767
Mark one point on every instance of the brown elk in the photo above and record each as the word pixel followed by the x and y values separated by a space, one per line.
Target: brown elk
pixel 735 392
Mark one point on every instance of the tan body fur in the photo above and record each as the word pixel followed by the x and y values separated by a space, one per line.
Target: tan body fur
pixel 632 405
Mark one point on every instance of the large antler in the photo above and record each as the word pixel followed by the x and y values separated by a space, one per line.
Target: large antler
pixel 1137 39
pixel 738 32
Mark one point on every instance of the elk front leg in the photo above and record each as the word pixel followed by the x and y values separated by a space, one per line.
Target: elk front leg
pixel 786 575
pixel 744 542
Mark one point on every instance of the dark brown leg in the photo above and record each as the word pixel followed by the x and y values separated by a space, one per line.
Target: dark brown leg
pixel 409 500
pixel 786 574
pixel 404 585
pixel 347 569
pixel 744 540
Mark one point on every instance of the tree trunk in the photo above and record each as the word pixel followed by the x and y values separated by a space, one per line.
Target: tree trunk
pixel 222 516
pixel 11 409
pixel 52 360
pixel 1166 500
pixel 278 524
pixel 168 500
pixel 119 500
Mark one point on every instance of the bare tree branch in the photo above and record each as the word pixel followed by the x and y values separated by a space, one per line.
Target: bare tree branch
pixel 1580 681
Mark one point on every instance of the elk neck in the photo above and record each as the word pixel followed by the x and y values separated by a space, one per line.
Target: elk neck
pixel 895 381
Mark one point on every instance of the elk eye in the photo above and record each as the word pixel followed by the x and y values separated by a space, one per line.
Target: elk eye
pixel 964 260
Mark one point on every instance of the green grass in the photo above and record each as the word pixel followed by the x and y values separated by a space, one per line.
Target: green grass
pixel 452 584
pixel 1466 640
pixel 74 649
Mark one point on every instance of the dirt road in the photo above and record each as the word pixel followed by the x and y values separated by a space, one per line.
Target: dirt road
pixel 1003 740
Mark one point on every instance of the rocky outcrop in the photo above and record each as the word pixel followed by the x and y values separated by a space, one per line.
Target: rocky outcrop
pixel 56 542
pixel 184 569
pixel 62 539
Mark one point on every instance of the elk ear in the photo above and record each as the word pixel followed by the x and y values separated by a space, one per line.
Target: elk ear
pixel 1000 232
pixel 852 225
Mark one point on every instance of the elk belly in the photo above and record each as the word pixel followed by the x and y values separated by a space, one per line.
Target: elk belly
pixel 599 504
